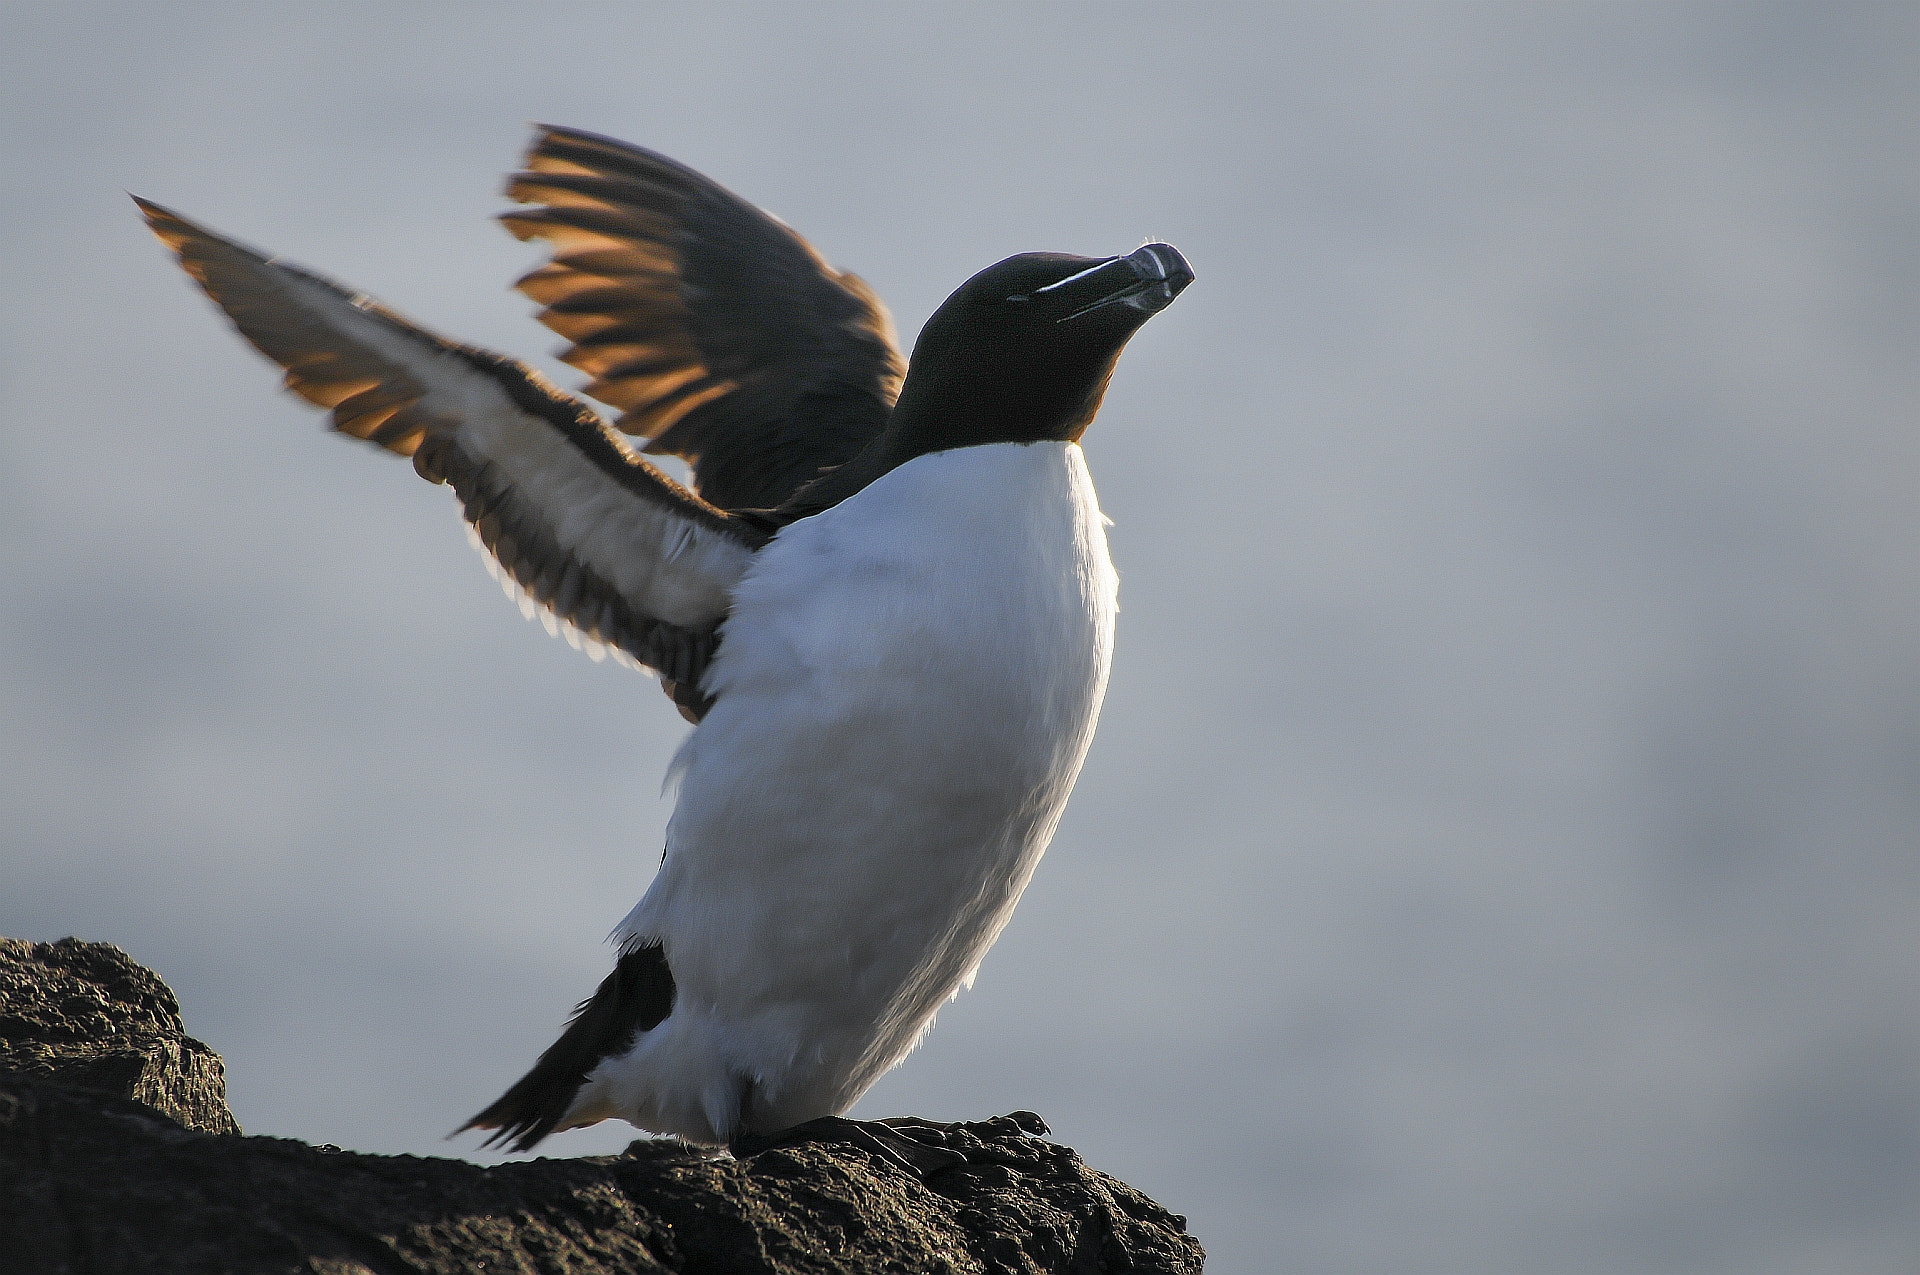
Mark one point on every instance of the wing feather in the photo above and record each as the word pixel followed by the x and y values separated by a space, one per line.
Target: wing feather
pixel 718 333
pixel 580 529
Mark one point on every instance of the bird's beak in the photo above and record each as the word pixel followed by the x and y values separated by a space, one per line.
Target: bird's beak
pixel 1146 279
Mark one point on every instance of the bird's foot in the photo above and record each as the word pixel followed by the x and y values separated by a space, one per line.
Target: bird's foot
pixel 1014 1124
pixel 906 1141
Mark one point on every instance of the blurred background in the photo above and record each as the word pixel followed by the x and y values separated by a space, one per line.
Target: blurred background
pixel 1499 850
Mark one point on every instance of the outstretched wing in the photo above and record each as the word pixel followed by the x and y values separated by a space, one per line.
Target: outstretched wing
pixel 589 533
pixel 719 333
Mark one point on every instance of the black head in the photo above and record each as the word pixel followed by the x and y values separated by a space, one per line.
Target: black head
pixel 1020 353
pixel 1023 350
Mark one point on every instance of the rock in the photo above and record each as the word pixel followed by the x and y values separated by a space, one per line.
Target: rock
pixel 94 1179
pixel 87 1016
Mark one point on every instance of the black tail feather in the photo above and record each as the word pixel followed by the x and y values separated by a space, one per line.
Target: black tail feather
pixel 636 997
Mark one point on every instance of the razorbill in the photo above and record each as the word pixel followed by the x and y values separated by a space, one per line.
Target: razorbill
pixel 887 605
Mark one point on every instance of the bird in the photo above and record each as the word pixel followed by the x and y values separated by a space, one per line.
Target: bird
pixel 886 606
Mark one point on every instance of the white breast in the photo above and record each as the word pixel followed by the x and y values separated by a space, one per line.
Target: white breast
pixel 906 688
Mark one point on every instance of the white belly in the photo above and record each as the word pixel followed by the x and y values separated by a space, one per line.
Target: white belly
pixel 907 686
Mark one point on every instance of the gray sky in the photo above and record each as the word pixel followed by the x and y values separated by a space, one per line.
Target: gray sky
pixel 1499 850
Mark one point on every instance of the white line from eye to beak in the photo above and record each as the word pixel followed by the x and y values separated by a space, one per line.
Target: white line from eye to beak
pixel 1070 278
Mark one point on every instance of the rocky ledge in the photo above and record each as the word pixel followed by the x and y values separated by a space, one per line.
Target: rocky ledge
pixel 118 1154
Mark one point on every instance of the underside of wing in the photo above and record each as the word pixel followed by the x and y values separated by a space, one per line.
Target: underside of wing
pixel 592 537
pixel 719 334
